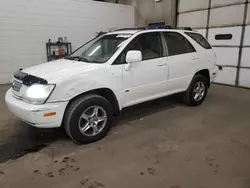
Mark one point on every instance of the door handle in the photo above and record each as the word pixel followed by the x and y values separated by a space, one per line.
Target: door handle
pixel 195 58
pixel 161 64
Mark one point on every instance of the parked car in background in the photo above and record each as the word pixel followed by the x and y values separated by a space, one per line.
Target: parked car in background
pixel 84 91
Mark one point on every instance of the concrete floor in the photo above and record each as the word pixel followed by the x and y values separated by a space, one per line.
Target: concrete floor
pixel 157 144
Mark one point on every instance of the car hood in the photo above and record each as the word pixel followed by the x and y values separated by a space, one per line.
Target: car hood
pixel 56 70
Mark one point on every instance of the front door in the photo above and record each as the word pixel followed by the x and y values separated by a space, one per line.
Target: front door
pixel 145 80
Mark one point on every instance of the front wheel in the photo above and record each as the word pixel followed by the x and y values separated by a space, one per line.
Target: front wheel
pixel 197 91
pixel 88 119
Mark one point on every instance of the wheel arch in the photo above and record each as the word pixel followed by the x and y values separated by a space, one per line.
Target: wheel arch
pixel 104 92
pixel 205 73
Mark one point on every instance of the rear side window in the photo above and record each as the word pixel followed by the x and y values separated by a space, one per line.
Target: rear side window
pixel 177 44
pixel 199 39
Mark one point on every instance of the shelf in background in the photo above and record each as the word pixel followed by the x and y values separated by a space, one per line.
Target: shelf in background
pixel 64 46
pixel 58 56
pixel 58 43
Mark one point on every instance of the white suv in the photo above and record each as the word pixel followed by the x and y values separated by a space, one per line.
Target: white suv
pixel 118 69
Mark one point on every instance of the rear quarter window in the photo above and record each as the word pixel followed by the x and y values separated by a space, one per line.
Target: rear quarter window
pixel 199 39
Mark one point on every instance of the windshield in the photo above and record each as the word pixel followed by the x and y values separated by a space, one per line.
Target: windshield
pixel 100 50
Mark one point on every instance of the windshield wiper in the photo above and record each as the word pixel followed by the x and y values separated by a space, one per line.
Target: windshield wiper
pixel 79 58
pixel 94 61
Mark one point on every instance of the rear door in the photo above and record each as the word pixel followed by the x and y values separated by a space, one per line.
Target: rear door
pixel 206 53
pixel 182 61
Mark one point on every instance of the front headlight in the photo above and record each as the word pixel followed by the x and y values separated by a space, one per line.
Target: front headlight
pixel 37 93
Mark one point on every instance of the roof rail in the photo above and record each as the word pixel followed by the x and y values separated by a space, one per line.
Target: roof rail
pixel 144 28
pixel 185 28
pixel 100 33
pixel 168 27
pixel 133 28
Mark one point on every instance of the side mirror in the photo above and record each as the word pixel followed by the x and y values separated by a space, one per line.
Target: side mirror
pixel 133 56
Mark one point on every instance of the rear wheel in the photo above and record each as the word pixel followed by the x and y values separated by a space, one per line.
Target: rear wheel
pixel 88 119
pixel 197 91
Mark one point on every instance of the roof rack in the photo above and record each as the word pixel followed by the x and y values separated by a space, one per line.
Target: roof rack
pixel 168 27
pixel 133 28
pixel 100 33
pixel 144 28
pixel 185 28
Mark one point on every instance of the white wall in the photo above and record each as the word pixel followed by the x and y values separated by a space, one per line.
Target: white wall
pixel 234 16
pixel 225 17
pixel 196 19
pixel 25 27
pixel 148 11
pixel 190 5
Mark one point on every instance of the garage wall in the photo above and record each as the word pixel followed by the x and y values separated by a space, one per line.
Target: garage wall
pixel 148 11
pixel 25 27
pixel 218 17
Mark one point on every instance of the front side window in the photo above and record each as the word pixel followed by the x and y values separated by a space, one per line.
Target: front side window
pixel 148 43
pixel 100 50
pixel 151 46
pixel 177 44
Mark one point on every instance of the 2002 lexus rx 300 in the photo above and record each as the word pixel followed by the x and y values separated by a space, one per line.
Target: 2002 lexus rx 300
pixel 83 91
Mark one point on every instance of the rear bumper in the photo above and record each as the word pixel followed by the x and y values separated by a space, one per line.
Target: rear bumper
pixel 213 73
pixel 34 114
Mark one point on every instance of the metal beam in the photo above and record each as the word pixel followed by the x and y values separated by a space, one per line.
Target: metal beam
pixel 222 26
pixel 234 66
pixel 177 2
pixel 241 43
pixel 202 9
pixel 230 46
pixel 243 87
pixel 208 17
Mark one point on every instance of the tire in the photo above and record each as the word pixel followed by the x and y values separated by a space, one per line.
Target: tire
pixel 190 97
pixel 79 116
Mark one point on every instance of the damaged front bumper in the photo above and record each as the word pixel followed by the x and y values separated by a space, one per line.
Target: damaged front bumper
pixel 35 114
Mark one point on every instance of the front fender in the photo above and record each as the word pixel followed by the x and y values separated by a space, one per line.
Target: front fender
pixel 72 88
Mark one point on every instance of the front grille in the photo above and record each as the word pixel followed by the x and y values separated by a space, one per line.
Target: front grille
pixel 16 85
